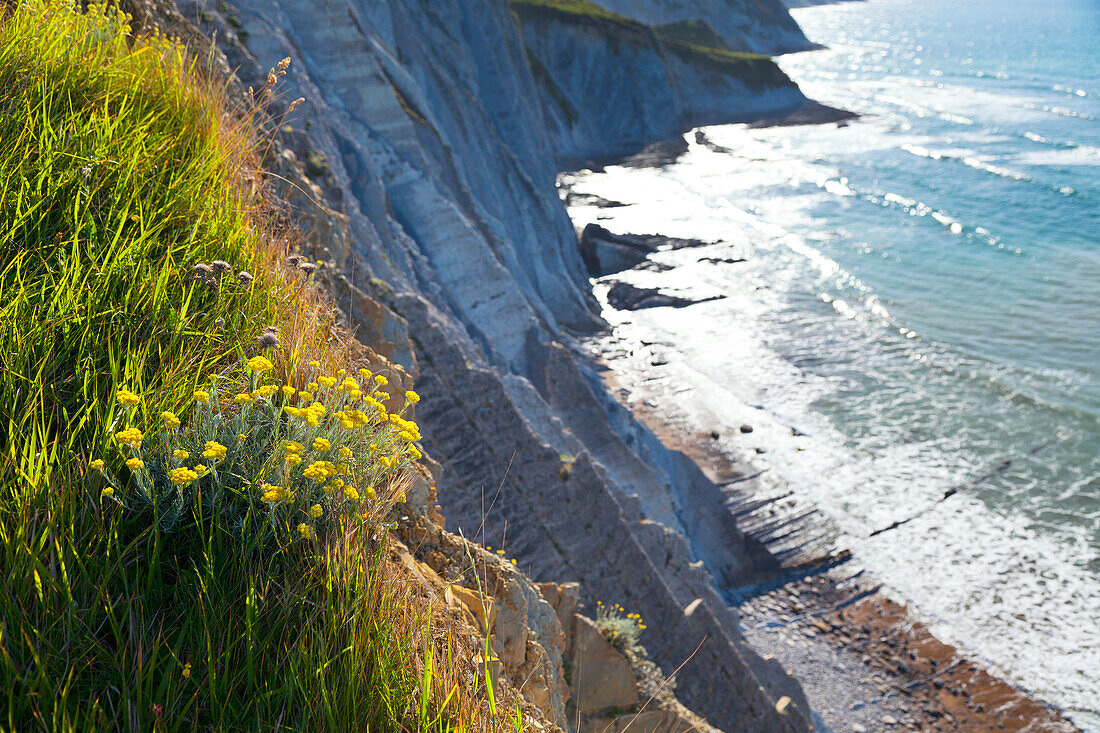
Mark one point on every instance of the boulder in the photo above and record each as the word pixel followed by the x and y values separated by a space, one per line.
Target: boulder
pixel 602 676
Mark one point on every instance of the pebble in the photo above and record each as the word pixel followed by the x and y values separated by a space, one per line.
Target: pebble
pixel 889 720
pixel 857 728
pixel 746 428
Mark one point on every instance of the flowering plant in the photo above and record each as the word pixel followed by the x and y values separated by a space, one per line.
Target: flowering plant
pixel 266 454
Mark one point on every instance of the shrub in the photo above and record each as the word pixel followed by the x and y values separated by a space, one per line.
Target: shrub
pixel 621 629
pixel 269 457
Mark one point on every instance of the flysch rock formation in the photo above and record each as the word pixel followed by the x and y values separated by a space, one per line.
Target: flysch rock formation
pixel 609 85
pixel 430 154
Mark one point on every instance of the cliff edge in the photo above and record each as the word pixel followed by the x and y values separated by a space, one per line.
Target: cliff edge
pixel 430 140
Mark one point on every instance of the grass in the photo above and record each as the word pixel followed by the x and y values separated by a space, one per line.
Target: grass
pixel 122 166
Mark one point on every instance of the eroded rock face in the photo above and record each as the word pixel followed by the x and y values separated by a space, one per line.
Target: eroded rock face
pixel 430 168
pixel 609 87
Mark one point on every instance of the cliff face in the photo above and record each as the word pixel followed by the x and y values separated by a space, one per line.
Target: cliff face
pixel 433 148
pixel 758 26
pixel 610 85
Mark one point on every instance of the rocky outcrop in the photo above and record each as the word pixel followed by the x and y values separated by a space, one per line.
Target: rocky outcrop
pixel 424 160
pixel 609 85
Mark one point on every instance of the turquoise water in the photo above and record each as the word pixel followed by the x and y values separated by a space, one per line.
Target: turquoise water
pixel 922 298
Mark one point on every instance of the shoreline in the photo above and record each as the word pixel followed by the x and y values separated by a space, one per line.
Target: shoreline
pixel 865 658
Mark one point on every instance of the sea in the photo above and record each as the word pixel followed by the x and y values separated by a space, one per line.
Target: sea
pixel 914 298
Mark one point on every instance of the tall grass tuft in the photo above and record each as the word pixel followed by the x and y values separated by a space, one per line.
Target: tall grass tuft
pixel 122 167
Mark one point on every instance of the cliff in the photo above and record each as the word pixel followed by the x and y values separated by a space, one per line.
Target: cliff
pixel 432 135
pixel 649 84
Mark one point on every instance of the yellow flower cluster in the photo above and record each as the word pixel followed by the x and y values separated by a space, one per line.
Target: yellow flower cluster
pixel 412 397
pixel 127 398
pixel 320 470
pixel 170 420
pixel 96 465
pixel 214 450
pixel 274 494
pixel 130 436
pixel 260 364
pixel 321 444
pixel 181 476
pixel 180 454
pixel 202 396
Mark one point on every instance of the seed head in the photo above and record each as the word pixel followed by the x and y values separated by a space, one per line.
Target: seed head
pixel 268 340
pixel 220 266
pixel 245 277
pixel 307 267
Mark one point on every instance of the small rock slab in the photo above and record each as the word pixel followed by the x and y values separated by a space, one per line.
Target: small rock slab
pixel 602 677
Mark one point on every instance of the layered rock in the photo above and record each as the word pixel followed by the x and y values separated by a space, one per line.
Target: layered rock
pixel 429 157
pixel 609 85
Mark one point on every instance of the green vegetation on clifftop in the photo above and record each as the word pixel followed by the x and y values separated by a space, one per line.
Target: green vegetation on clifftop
pixel 121 168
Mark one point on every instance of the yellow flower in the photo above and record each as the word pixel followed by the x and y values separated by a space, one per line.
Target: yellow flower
pixel 306 396
pixel 406 436
pixel 288 391
pixel 371 493
pixel 327 382
pixel 214 450
pixel 344 452
pixel 321 444
pixel 380 380
pixel 293 459
pixel 293 411
pixel 341 372
pixel 315 511
pixel 343 468
pixel 181 476
pixel 107 492
pixel 260 364
pixel 202 396
pixel 267 390
pixel 242 436
pixel 201 470
pixel 181 454
pixel 305 531
pixel 364 373
pixel 135 464
pixel 312 420
pixel 381 396
pixel 186 671
pixel 244 398
pixel 351 493
pixel 317 409
pixel 415 454
pixel 293 446
pixel 312 386
pixel 336 483
pixel 129 436
pixel 412 397
pixel 315 364
pixel 96 465
pixel 170 419
pixel 127 398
